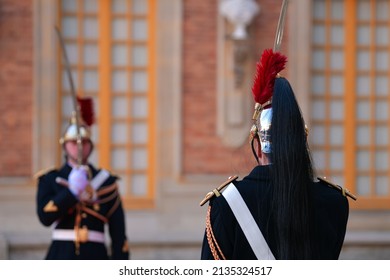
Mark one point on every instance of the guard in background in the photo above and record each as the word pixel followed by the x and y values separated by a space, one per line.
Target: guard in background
pixel 78 200
pixel 278 211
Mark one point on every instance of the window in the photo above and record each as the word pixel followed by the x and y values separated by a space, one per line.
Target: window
pixel 349 94
pixel 110 45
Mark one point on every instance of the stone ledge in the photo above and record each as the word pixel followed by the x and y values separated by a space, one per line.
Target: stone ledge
pixel 38 239
pixel 3 247
pixel 357 245
pixel 367 238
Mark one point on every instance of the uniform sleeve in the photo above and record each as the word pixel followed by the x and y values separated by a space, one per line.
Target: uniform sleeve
pixel 51 203
pixel 206 252
pixel 343 214
pixel 117 230
pixel 217 241
pixel 334 219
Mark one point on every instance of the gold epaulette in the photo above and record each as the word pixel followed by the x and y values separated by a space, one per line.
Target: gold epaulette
pixel 216 192
pixel 345 192
pixel 43 171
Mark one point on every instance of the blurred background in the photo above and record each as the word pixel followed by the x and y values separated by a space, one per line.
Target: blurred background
pixel 171 83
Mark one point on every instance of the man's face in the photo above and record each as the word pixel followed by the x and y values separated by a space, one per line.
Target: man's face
pixel 72 150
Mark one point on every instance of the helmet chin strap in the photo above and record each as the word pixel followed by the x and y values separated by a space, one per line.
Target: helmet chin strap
pixel 264 132
pixel 253 140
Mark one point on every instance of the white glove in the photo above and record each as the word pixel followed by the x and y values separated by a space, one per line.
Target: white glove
pixel 78 180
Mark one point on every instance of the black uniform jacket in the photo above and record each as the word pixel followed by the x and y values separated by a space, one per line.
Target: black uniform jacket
pixel 330 210
pixel 57 207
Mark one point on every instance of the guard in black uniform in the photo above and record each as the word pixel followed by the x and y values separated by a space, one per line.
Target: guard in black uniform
pixel 77 201
pixel 328 225
pixel 283 212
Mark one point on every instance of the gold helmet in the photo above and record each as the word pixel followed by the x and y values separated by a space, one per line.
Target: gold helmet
pixel 86 117
pixel 70 133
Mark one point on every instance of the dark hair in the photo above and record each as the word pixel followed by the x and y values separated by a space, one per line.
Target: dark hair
pixel 291 175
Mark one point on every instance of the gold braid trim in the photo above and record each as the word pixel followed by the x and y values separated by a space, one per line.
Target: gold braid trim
pixel 108 198
pixel 105 218
pixel 107 190
pixel 95 214
pixel 211 240
pixel 211 244
pixel 114 207
pixel 103 200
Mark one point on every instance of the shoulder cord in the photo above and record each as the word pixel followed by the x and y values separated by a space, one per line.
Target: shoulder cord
pixel 113 188
pixel 94 213
pixel 211 240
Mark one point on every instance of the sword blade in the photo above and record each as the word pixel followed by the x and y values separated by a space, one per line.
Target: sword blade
pixel 74 96
pixel 280 27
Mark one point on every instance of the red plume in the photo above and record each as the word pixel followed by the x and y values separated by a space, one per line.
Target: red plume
pixel 86 110
pixel 270 64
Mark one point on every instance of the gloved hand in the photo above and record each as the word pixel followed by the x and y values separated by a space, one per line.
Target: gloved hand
pixel 78 180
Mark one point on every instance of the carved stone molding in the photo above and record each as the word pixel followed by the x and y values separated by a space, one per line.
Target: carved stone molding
pixel 45 87
pixel 234 73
